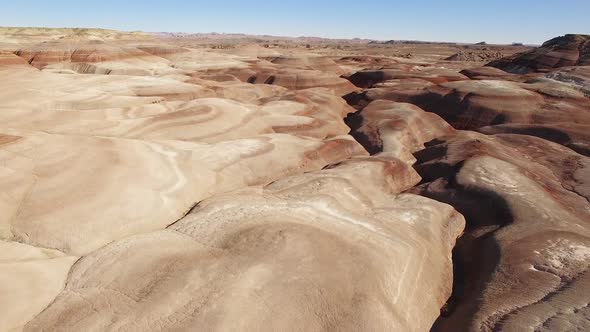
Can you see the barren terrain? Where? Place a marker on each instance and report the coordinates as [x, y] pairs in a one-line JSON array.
[[177, 182]]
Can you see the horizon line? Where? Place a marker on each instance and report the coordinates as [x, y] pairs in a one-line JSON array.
[[276, 36]]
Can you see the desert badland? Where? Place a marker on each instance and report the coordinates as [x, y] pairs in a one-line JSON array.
[[182, 182]]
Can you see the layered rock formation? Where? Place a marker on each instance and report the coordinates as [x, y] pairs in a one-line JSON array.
[[521, 181], [525, 258], [148, 186], [186, 173], [564, 51], [173, 185], [476, 56], [368, 78], [336, 249], [396, 129]]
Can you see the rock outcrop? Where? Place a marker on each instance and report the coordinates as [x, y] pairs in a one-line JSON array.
[[517, 170], [476, 56], [568, 50], [178, 184], [523, 263], [316, 251], [555, 99], [396, 129], [369, 78], [93, 168], [148, 186]]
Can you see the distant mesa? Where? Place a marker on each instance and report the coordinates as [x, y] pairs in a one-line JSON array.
[[564, 51]]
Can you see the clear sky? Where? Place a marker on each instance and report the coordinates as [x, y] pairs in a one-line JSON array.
[[494, 21]]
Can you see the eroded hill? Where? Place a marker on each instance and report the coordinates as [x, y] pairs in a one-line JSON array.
[[161, 183]]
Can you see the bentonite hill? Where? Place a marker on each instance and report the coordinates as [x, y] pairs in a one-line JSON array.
[[166, 182]]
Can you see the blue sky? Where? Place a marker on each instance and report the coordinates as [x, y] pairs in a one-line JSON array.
[[499, 21]]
